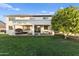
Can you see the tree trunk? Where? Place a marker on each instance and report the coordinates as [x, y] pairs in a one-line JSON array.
[[66, 35]]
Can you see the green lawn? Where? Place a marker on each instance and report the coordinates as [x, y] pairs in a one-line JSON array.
[[37, 46]]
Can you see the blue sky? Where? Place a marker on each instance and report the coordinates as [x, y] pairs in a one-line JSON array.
[[31, 8]]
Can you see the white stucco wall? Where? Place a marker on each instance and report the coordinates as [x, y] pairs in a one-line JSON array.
[[9, 23], [31, 21], [35, 21]]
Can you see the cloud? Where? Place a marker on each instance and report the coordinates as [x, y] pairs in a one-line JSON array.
[[16, 9], [47, 12], [44, 11], [8, 7], [51, 13], [61, 7]]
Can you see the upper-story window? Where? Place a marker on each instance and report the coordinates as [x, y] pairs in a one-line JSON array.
[[45, 17], [10, 18], [32, 17]]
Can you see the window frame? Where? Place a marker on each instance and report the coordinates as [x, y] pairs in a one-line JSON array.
[[45, 17], [10, 27], [46, 27], [26, 27]]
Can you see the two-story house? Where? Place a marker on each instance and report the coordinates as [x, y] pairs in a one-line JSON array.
[[28, 24]]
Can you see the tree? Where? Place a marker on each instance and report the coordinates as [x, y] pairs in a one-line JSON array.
[[66, 20]]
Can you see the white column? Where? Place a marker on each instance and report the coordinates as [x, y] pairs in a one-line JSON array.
[[42, 29], [33, 33], [13, 29], [49, 27]]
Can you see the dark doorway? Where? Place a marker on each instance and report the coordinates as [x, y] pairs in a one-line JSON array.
[[37, 29]]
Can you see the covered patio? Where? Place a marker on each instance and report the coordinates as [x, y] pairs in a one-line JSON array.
[[32, 30]]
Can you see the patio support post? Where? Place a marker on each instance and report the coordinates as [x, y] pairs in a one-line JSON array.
[[13, 29], [42, 28], [33, 33]]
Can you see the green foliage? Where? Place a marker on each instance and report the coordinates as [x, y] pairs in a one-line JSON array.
[[66, 20]]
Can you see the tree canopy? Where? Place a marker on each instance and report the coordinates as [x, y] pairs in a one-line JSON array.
[[66, 20]]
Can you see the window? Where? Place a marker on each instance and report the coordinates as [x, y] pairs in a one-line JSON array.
[[10, 28], [26, 27], [45, 17], [10, 18], [45, 27], [32, 18]]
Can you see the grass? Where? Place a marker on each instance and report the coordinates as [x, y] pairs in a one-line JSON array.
[[37, 46]]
